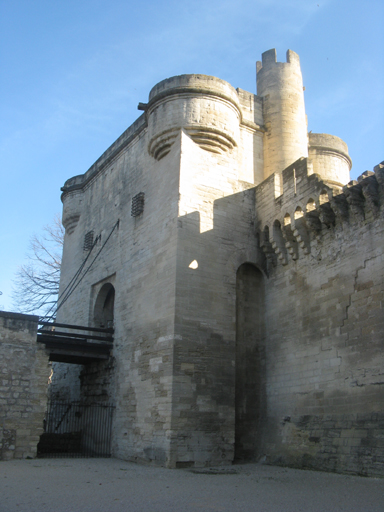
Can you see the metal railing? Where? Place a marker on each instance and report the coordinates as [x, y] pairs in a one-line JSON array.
[[74, 429], [76, 344]]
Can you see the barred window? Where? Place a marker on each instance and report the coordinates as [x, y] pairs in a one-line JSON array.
[[88, 241], [137, 204]]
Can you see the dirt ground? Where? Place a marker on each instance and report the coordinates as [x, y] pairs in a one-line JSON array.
[[112, 485]]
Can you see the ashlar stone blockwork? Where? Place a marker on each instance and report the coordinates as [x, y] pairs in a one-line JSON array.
[[24, 379], [248, 291], [324, 312]]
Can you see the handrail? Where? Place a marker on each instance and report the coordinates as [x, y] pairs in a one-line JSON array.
[[108, 330], [72, 346], [74, 335]]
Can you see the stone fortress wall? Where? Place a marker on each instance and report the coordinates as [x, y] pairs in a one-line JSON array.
[[324, 301], [248, 292], [23, 386], [145, 252]]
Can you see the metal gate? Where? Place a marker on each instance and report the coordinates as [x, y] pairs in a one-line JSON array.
[[74, 429]]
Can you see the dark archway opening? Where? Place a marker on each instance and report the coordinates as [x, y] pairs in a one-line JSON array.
[[104, 306], [250, 363]]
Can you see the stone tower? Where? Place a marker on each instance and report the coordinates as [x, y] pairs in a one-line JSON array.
[[280, 84], [232, 298]]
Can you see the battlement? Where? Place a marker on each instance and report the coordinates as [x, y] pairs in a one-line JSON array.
[[269, 59], [280, 85], [293, 224], [252, 252]]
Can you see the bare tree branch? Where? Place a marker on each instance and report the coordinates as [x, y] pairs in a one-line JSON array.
[[36, 284]]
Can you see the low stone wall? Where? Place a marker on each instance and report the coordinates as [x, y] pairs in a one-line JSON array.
[[23, 386]]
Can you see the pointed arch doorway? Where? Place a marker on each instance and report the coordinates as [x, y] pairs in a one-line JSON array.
[[250, 363]]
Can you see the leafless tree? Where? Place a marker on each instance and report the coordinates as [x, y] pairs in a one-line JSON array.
[[36, 285]]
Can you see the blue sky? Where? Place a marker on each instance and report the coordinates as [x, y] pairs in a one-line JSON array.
[[73, 72]]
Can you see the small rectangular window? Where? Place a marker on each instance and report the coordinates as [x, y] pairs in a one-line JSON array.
[[137, 204], [88, 241]]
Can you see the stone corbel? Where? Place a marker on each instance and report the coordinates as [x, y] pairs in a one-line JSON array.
[[339, 206], [290, 242], [355, 199], [370, 189], [313, 222], [327, 215]]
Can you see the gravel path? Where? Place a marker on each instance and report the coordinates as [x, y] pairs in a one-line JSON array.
[[112, 485]]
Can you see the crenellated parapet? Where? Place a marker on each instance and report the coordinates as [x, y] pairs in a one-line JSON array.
[[308, 209]]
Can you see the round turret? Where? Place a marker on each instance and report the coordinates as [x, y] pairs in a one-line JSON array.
[[330, 158], [280, 84], [205, 107]]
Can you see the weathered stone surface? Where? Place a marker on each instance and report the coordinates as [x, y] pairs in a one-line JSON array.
[[325, 327], [23, 386], [212, 360]]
